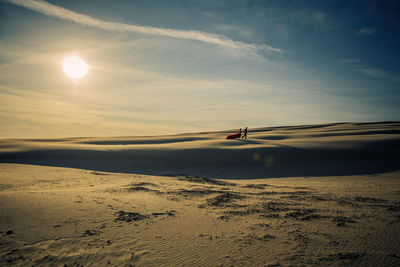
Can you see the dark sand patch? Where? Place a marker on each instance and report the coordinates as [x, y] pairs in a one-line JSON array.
[[92, 232], [139, 188], [4, 187], [99, 173], [342, 221], [256, 186], [135, 216], [222, 200], [196, 192], [204, 180], [129, 216], [369, 200]]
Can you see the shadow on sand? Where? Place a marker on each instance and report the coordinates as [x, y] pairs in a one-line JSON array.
[[264, 162]]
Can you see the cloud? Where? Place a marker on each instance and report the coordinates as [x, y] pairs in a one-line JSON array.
[[319, 16], [361, 67], [378, 73], [366, 31], [349, 61], [215, 39]]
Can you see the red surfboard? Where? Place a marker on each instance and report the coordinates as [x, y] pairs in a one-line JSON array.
[[233, 136]]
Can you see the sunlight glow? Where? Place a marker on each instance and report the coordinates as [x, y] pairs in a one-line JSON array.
[[75, 67]]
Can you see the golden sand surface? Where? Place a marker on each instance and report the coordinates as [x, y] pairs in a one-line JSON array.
[[322, 195], [68, 217]]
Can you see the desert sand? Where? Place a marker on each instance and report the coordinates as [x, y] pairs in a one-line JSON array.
[[319, 195]]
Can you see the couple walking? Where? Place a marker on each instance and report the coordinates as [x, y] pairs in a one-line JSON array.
[[244, 134]]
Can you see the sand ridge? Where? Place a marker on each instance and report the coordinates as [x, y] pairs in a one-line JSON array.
[[309, 150]]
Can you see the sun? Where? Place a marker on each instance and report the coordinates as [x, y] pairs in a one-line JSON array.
[[75, 67]]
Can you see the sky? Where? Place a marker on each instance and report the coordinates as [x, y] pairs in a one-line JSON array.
[[165, 67]]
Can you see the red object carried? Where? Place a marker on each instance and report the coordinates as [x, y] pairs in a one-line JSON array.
[[233, 136]]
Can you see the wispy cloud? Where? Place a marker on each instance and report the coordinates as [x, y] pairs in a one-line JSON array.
[[378, 73], [349, 61], [319, 16], [366, 31], [363, 68], [215, 39]]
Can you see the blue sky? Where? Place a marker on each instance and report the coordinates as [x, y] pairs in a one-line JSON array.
[[160, 67]]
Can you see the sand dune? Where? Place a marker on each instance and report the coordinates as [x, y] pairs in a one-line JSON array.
[[292, 151], [154, 201]]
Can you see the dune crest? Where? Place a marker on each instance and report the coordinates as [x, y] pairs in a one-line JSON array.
[[326, 149]]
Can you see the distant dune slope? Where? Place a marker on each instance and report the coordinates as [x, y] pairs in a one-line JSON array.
[[326, 149]]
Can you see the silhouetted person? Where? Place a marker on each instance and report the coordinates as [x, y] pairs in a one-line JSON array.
[[245, 133]]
